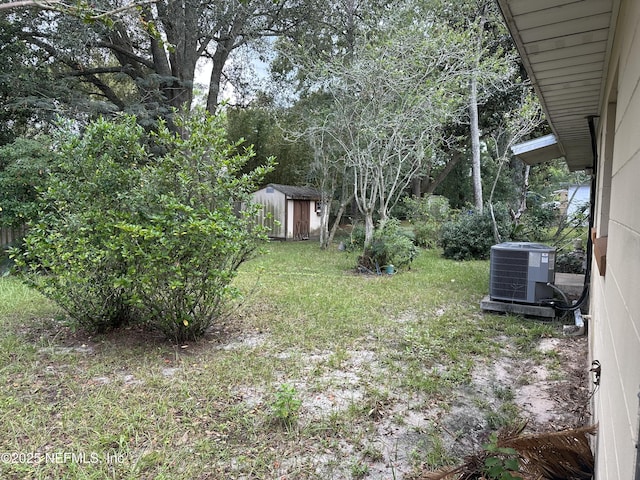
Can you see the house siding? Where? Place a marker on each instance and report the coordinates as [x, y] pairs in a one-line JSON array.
[[615, 297]]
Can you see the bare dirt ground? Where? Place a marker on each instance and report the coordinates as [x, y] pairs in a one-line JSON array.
[[401, 434], [556, 402], [550, 390], [550, 395], [411, 431]]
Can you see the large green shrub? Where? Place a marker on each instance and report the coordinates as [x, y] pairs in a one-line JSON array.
[[67, 250], [470, 235], [155, 239]]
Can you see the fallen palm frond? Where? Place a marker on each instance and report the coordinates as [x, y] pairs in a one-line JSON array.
[[556, 455], [564, 455]]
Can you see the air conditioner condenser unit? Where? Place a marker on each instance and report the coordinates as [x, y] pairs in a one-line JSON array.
[[521, 271]]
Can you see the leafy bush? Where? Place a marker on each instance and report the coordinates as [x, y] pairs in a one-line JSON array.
[[133, 236], [67, 250], [390, 246], [570, 262], [427, 234], [427, 215], [430, 207], [470, 234], [535, 223]]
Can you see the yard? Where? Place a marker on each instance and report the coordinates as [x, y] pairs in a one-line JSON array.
[[320, 373]]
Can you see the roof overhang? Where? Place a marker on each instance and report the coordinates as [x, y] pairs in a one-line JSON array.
[[538, 150], [565, 47]]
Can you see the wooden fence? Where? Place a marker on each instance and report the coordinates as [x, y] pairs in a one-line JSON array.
[[10, 235]]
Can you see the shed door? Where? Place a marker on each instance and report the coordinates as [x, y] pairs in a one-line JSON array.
[[301, 218]]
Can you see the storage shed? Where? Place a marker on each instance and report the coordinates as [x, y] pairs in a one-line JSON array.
[[294, 211]]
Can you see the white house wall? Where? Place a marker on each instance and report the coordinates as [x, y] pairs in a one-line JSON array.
[[615, 297], [315, 221]]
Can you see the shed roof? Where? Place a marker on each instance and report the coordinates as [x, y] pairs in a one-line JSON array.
[[565, 47], [297, 193]]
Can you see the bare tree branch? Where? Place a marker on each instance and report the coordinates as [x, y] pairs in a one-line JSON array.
[[87, 14]]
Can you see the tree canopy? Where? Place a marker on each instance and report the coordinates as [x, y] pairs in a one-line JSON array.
[[370, 100], [144, 60]]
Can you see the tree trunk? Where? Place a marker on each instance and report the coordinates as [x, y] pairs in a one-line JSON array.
[[416, 187], [515, 215], [475, 143], [369, 228], [433, 184], [336, 222], [219, 60], [325, 210]]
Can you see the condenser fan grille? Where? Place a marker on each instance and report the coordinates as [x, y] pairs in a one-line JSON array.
[[509, 274]]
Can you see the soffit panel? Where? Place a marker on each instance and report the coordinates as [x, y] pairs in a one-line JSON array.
[[576, 61], [557, 44], [579, 26], [568, 53], [571, 13], [564, 45], [520, 7], [568, 71]]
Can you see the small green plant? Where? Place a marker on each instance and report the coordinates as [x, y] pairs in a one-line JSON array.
[[356, 238], [338, 358], [286, 405], [359, 469], [372, 453], [501, 463], [506, 415]]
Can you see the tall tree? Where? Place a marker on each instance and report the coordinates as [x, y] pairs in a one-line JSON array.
[[490, 67], [144, 60], [517, 124], [23, 80]]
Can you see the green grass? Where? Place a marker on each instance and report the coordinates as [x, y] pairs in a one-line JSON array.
[[356, 350]]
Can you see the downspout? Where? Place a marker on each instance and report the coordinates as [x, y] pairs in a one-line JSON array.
[[592, 209], [637, 477]]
